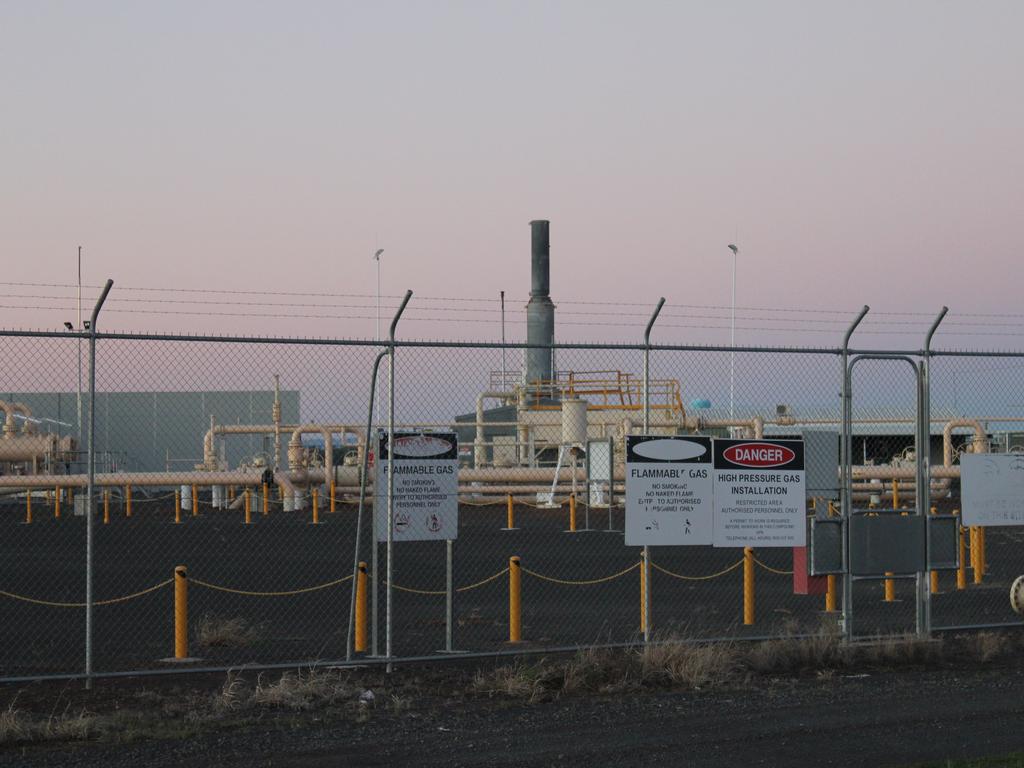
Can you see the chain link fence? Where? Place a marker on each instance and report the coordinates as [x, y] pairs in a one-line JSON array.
[[227, 526]]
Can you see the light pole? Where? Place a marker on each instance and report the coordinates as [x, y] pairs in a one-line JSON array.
[[79, 347], [504, 384], [732, 336], [376, 257]]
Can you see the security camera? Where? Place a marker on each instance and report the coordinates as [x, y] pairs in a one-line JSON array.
[[87, 324], [69, 326]]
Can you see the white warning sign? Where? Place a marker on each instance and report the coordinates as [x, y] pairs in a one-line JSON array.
[[759, 493], [426, 486], [992, 487], [668, 490]]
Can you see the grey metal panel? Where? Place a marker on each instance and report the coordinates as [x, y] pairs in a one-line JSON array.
[[141, 428], [179, 428], [943, 542], [821, 463], [131, 419], [825, 553], [881, 544]]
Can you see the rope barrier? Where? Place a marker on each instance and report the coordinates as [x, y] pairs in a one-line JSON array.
[[280, 593], [581, 582], [773, 570], [111, 601], [144, 500], [674, 575], [555, 502], [435, 592]]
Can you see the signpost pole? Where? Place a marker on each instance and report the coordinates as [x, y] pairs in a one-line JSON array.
[[449, 598]]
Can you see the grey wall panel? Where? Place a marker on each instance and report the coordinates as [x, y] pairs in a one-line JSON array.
[[140, 429]]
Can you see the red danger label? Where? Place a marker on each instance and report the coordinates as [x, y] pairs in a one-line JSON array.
[[759, 454]]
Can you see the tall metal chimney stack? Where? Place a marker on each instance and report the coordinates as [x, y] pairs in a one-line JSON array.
[[540, 312]]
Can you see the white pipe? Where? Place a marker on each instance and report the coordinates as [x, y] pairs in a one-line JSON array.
[[250, 477], [26, 412], [980, 438], [10, 427], [328, 431]]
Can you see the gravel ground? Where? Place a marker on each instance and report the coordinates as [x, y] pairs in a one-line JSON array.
[[877, 719]]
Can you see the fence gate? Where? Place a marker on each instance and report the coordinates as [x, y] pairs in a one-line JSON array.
[[885, 547]]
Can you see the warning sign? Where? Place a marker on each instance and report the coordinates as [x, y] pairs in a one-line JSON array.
[[426, 486], [759, 493], [992, 488], [668, 490]]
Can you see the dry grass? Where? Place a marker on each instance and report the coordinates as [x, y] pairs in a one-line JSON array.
[[672, 662], [14, 725], [689, 665], [797, 655], [898, 651], [517, 680], [295, 691], [304, 690], [214, 631], [19, 727], [675, 662], [986, 646]]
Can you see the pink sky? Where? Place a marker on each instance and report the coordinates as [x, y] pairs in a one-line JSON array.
[[863, 152]]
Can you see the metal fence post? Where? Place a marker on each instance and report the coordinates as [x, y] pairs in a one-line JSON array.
[[846, 471], [364, 471], [647, 425], [924, 480], [391, 478], [89, 487]]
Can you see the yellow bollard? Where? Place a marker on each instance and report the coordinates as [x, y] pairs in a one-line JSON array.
[[981, 551], [830, 594], [248, 507], [316, 507], [572, 513], [961, 571], [266, 500], [890, 585], [177, 507], [195, 501], [643, 593], [332, 497], [748, 586], [56, 504], [360, 639], [976, 565], [231, 493], [515, 626], [127, 501], [180, 612], [106, 507], [28, 508], [511, 515]]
